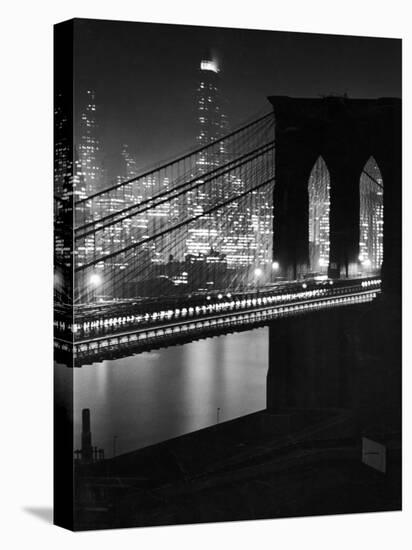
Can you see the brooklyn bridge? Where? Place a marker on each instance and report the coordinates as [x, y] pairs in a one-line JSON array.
[[232, 234], [292, 221]]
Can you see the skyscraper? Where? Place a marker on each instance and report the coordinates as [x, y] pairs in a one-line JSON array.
[[89, 146], [212, 122], [240, 231], [63, 183], [211, 125], [88, 172]]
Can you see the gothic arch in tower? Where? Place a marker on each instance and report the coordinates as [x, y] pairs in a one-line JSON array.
[[319, 206], [370, 218]]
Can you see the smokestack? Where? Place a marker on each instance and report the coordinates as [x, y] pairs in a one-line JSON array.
[[87, 449]]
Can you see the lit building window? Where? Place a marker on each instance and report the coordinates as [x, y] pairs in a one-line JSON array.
[[371, 218], [209, 65], [319, 207]]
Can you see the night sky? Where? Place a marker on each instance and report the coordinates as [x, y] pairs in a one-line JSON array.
[[145, 77]]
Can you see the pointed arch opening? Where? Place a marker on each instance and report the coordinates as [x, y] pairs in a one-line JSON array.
[[371, 219], [319, 208]]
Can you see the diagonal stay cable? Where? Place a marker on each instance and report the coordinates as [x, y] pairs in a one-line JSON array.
[[94, 223], [151, 199], [167, 196], [141, 269], [372, 179], [118, 279], [168, 192], [174, 161], [173, 228]]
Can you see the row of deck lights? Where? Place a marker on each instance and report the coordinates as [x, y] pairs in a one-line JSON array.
[[371, 282], [210, 308], [253, 315]]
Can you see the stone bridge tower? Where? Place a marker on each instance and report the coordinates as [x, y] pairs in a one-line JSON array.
[[346, 133], [347, 358]]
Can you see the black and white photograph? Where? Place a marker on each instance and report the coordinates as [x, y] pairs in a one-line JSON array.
[[205, 275], [227, 274]]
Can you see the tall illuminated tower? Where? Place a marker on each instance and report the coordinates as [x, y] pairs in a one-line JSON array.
[[64, 186], [88, 172], [240, 233], [211, 119], [89, 146], [211, 124]]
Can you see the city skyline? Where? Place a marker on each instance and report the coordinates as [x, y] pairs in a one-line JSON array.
[[227, 322], [247, 239], [178, 64], [212, 124], [145, 86]]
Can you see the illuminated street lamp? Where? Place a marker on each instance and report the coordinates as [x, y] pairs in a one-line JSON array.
[[275, 266], [258, 276], [58, 280], [95, 279]]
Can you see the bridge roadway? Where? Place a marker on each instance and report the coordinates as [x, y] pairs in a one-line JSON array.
[[106, 336]]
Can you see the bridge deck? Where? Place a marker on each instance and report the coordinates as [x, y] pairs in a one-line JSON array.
[[107, 338]]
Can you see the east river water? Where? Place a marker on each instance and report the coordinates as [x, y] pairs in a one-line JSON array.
[[148, 398]]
